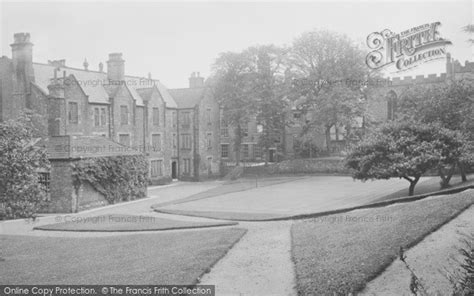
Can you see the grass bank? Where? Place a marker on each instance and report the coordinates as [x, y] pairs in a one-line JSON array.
[[341, 253], [164, 258]]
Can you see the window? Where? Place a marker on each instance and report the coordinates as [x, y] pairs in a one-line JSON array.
[[209, 165], [252, 151], [336, 133], [245, 150], [124, 139], [73, 112], [187, 166], [96, 117], [208, 115], [209, 140], [44, 179], [296, 115], [156, 169], [224, 129], [175, 119], [186, 141], [123, 115], [103, 116], [257, 151], [156, 142], [224, 150], [156, 116], [245, 130], [186, 119], [175, 140]]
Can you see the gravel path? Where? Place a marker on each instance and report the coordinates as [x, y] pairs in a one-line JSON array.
[[260, 264], [429, 259]]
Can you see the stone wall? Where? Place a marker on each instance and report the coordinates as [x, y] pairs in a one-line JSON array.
[[330, 165], [89, 198], [61, 187]]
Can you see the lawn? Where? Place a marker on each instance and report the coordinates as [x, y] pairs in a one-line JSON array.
[[339, 254], [428, 186], [164, 258], [241, 184], [112, 223], [231, 216]]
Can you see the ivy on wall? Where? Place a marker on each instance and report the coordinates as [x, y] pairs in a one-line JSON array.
[[118, 178]]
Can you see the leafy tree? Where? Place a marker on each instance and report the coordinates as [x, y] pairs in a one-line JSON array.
[[329, 77], [470, 30], [231, 84], [21, 194], [268, 89], [452, 148], [403, 150], [451, 105]]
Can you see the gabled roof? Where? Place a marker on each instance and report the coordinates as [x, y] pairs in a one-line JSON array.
[[91, 82], [165, 94], [187, 97], [96, 85], [145, 93], [134, 83]]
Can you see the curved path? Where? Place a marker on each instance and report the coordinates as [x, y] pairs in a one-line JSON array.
[[140, 207], [259, 264]]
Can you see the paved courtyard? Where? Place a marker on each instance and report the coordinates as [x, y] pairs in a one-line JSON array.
[[301, 196]]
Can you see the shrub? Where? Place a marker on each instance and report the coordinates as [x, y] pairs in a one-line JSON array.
[[462, 278], [404, 150], [21, 194], [118, 178]]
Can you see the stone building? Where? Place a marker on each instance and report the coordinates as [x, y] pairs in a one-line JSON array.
[[381, 106], [382, 100], [197, 130], [138, 113], [250, 150], [181, 131]]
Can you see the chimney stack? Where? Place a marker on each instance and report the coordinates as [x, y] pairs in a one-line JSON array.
[[22, 56], [86, 65], [101, 67], [449, 65], [115, 67], [196, 81]]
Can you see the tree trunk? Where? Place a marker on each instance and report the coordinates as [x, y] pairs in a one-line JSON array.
[[265, 155], [328, 139], [446, 177], [462, 170], [237, 144], [411, 189]]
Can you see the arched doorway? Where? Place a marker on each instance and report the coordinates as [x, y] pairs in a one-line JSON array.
[[174, 170]]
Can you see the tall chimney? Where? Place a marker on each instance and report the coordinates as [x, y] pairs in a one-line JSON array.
[[195, 80], [22, 56], [449, 65], [115, 67]]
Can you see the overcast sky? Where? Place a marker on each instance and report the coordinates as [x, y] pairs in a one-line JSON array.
[[171, 40]]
